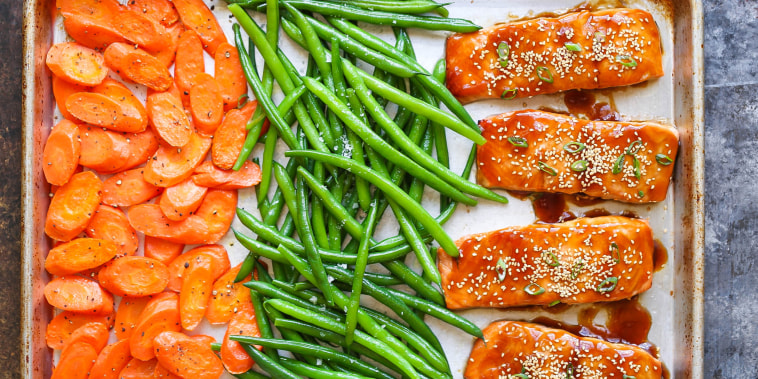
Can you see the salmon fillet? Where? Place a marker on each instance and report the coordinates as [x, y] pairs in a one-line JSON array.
[[536, 351], [538, 151], [580, 261], [581, 50]]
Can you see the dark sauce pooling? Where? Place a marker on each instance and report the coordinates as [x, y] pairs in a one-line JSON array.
[[660, 256], [583, 104]]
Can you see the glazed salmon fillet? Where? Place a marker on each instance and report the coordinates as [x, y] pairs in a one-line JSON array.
[[581, 50], [537, 151], [535, 351], [585, 260]]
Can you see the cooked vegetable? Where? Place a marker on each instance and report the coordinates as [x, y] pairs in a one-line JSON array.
[[138, 66], [78, 255], [111, 360], [160, 315], [182, 200], [111, 224], [60, 157], [72, 206], [186, 357], [168, 118], [128, 315], [76, 361], [63, 325], [206, 103], [128, 188], [78, 294], [134, 276], [76, 64]]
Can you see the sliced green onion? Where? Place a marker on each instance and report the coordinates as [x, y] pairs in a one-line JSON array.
[[579, 166], [518, 141], [554, 303], [534, 289], [641, 194], [663, 159], [509, 94], [599, 37], [503, 51], [546, 168], [574, 147], [571, 46], [618, 165], [521, 376], [629, 377], [615, 252], [577, 269], [501, 269], [608, 285], [626, 60], [553, 259], [241, 101], [634, 147], [544, 74], [637, 172], [570, 371]]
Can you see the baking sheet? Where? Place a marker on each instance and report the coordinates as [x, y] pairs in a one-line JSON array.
[[674, 301]]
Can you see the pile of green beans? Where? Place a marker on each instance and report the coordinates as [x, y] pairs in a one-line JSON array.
[[358, 143]]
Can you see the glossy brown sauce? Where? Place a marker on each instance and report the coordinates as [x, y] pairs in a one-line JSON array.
[[583, 104], [660, 256], [551, 208]]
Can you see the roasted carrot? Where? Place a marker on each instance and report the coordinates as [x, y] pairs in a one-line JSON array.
[[139, 369], [206, 103], [102, 150], [141, 146], [133, 118], [162, 250], [229, 75], [233, 355], [61, 327], [186, 357], [227, 297], [162, 11], [230, 136], [117, 110], [182, 200], [217, 213], [92, 31], [204, 339], [195, 15], [168, 54], [76, 361], [111, 224], [128, 314], [137, 66], [134, 276], [196, 291], [61, 90], [128, 188], [208, 175], [60, 157], [163, 373], [189, 61], [76, 63], [177, 267], [168, 118], [73, 205], [161, 314], [80, 254], [93, 333], [141, 30], [171, 165], [111, 360], [78, 294]]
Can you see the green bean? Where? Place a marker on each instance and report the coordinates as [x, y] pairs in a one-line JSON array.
[[416, 188], [410, 6], [438, 312], [315, 372], [269, 365], [266, 166], [246, 268], [284, 106], [250, 374], [309, 241], [360, 269], [413, 280], [275, 292], [333, 206], [312, 41], [413, 339]]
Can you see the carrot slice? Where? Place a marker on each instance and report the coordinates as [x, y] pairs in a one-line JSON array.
[[178, 266], [76, 63], [204, 339], [94, 333], [230, 136], [60, 157], [233, 355], [128, 188], [227, 297], [171, 165], [229, 75], [78, 294], [168, 118], [141, 30], [79, 255], [101, 110], [72, 206], [161, 314], [189, 60], [128, 314], [134, 276], [111, 224], [111, 360], [139, 369], [206, 103], [168, 54], [163, 373], [138, 66], [141, 146], [161, 11], [76, 361], [208, 175], [182, 200], [186, 357], [195, 15], [217, 212], [196, 291], [61, 91], [134, 115], [61, 327], [102, 150], [92, 31], [162, 250]]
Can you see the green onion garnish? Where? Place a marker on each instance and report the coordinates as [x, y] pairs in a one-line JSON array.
[[509, 94], [544, 74], [577, 269], [570, 371], [637, 172], [574, 147], [554, 303], [518, 141], [534, 289], [521, 376], [600, 36], [546, 168], [571, 46], [579, 166], [626, 60], [503, 51], [501, 269], [641, 194], [615, 252], [628, 377], [241, 101], [663, 159], [608, 285], [619, 165], [553, 259], [634, 148]]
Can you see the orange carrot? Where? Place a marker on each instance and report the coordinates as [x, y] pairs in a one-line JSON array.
[[171, 165], [229, 75], [61, 91], [168, 54], [76, 63], [101, 110], [227, 297], [72, 206], [111, 360], [139, 369], [162, 250], [162, 11], [111, 224], [134, 276], [128, 314], [141, 146], [102, 150], [233, 356], [168, 118], [189, 60], [202, 338], [80, 254], [92, 31], [141, 30], [195, 15], [128, 188], [230, 136], [182, 200], [161, 314], [186, 357], [177, 267], [94, 333], [206, 103], [76, 361], [60, 157], [196, 291], [208, 175], [61, 327], [138, 66], [163, 373], [217, 212], [78, 294], [134, 117]]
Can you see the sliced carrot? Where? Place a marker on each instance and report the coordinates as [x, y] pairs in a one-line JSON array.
[[204, 339], [61, 327], [94, 333], [138, 66], [230, 136], [76, 63], [217, 212], [186, 357], [195, 15], [134, 116], [178, 266], [75, 362], [206, 103], [163, 373], [78, 294], [93, 8], [229, 75], [80, 254], [233, 355], [189, 60], [171, 165], [92, 31], [128, 314], [101, 110], [227, 297], [162, 250], [161, 314], [111, 224], [61, 90], [111, 360], [73, 205], [60, 157], [208, 175], [128, 188], [141, 146], [196, 291], [138, 369], [134, 276], [168, 118], [182, 200], [102, 150], [168, 54], [140, 30], [162, 11]]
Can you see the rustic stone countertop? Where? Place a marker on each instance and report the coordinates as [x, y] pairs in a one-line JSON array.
[[731, 111]]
